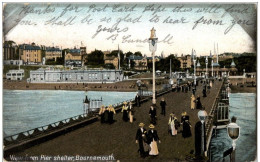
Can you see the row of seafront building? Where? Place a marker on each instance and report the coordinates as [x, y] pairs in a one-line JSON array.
[[74, 76]]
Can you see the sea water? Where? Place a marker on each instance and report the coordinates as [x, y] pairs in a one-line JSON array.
[[242, 106], [28, 109]]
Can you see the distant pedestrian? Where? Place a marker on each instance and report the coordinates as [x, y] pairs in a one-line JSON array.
[[106, 115], [193, 90], [163, 106], [137, 100], [198, 103], [101, 113], [193, 102], [111, 114], [204, 92], [125, 112], [186, 131], [131, 112], [210, 84], [152, 114], [173, 124], [141, 139], [153, 138]]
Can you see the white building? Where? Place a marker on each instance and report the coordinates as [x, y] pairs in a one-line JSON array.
[[75, 76], [15, 74]]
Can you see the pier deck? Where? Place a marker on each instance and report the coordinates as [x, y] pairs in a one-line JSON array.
[[119, 138]]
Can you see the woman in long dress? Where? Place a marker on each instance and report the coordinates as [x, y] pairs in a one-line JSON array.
[[125, 112], [186, 132], [101, 113], [153, 138], [193, 102], [111, 114], [198, 103], [131, 112], [173, 124], [106, 115]]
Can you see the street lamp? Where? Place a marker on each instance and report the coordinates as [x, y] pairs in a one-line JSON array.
[[212, 68], [206, 67], [194, 60], [202, 114], [86, 104], [233, 131], [153, 46]]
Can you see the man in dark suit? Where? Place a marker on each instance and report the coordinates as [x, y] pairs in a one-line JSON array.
[[137, 100], [152, 114], [163, 106], [141, 139]]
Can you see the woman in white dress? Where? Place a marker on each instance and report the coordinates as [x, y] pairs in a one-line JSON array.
[[173, 124], [131, 112], [153, 138]]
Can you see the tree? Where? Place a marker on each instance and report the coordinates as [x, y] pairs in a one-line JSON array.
[[129, 54], [138, 53], [96, 58]]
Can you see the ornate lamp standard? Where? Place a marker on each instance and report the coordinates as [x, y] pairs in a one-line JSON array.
[[206, 61], [233, 131], [153, 46], [212, 68], [194, 60], [202, 114]]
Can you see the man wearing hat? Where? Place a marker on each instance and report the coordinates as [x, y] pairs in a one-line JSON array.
[[141, 139], [153, 138], [137, 100], [186, 132], [125, 112]]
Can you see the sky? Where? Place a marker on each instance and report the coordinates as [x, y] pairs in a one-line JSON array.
[[130, 25]]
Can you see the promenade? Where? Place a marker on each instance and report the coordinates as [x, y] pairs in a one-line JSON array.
[[119, 138]]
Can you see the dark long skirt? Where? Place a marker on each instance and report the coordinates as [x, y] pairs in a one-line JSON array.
[[125, 116], [106, 116], [186, 130], [110, 117], [102, 116]]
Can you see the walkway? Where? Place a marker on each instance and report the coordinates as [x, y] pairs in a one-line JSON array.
[[119, 138]]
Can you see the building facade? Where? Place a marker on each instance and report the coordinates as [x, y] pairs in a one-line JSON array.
[[30, 54], [75, 76], [111, 60], [140, 62], [186, 61], [53, 53], [9, 51], [73, 58]]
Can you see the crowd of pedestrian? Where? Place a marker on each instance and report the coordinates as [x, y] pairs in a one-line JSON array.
[[148, 140]]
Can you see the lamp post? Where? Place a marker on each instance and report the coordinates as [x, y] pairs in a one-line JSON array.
[[212, 68], [86, 105], [206, 67], [194, 60], [202, 114], [233, 131], [153, 46]]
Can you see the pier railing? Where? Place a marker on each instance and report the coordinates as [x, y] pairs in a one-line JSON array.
[[211, 117]]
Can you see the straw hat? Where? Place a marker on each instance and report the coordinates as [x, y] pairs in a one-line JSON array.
[[171, 114], [125, 103], [110, 106], [141, 124], [184, 113], [102, 106], [151, 126]]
